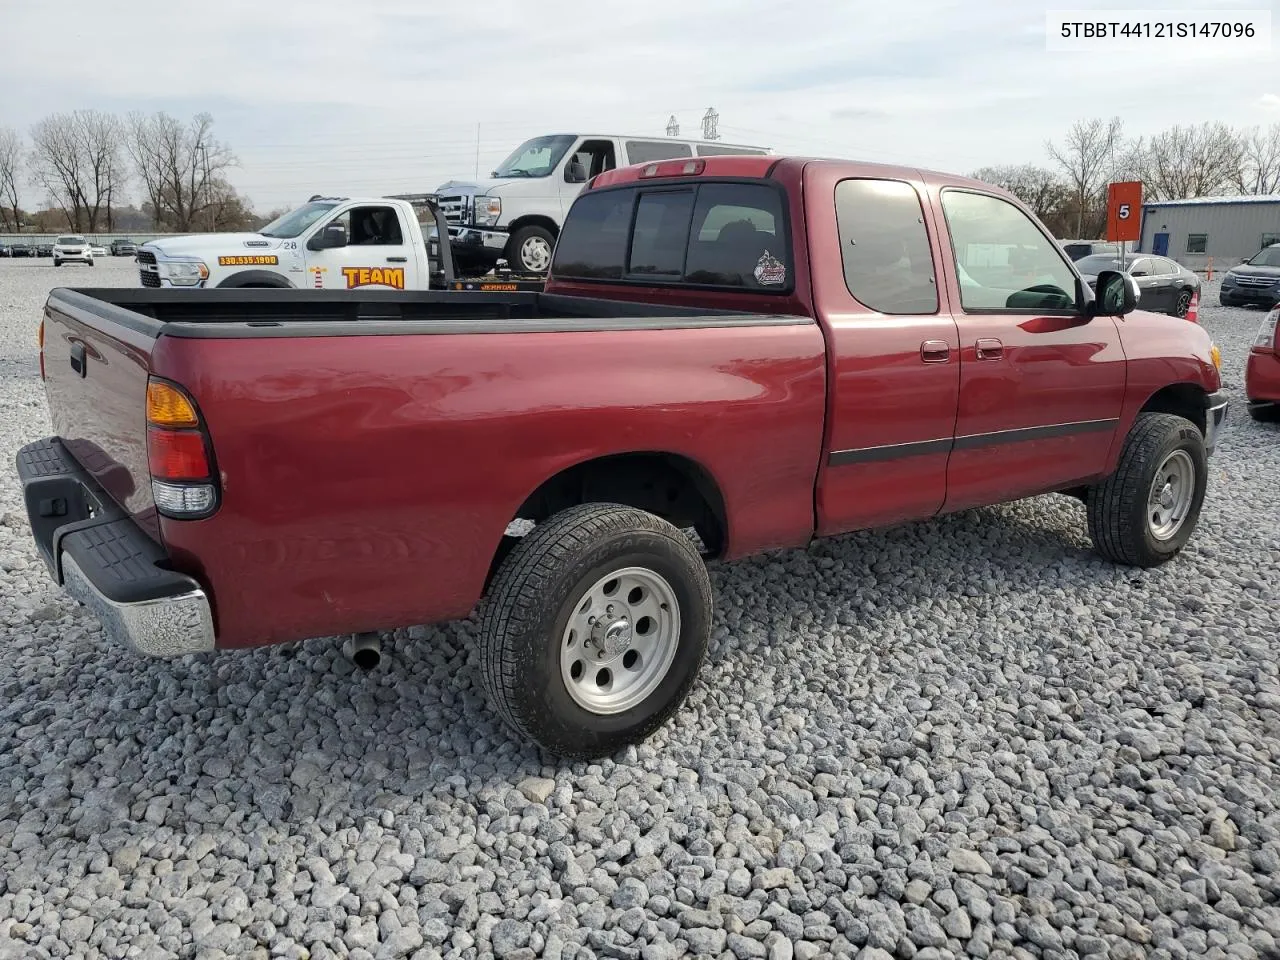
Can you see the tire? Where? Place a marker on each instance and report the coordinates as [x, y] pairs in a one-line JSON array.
[[1182, 304], [535, 243], [1225, 301], [57, 263], [1264, 412], [1124, 523], [530, 631]]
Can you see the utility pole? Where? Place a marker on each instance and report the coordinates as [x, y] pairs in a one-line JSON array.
[[709, 121], [477, 151]]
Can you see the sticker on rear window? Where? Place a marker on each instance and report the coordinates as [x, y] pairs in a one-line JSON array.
[[770, 271]]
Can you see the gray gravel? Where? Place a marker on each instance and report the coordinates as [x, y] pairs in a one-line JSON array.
[[965, 737]]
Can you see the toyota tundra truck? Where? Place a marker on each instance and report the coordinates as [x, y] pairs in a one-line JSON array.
[[755, 350]]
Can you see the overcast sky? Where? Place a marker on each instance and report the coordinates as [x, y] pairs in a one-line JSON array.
[[340, 96]]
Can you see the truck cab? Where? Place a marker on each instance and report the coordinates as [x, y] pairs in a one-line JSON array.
[[516, 213], [328, 243]]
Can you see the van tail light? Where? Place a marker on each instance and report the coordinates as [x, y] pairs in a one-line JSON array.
[[1266, 338], [40, 340], [179, 454]]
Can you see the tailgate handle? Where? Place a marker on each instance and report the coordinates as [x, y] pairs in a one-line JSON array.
[[78, 362]]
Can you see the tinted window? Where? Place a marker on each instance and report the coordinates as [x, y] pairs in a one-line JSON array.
[[1166, 268], [660, 234], [1002, 259], [887, 262], [1144, 266], [1077, 250], [1197, 242], [738, 238], [1095, 265], [647, 151], [735, 237], [708, 150], [593, 241]]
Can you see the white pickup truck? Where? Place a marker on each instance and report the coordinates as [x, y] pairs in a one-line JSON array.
[[516, 213], [328, 243]]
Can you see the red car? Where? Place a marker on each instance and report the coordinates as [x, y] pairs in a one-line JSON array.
[[1262, 372], [762, 349]]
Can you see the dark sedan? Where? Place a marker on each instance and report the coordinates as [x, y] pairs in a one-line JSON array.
[[1257, 280], [22, 250], [44, 248], [1165, 286]]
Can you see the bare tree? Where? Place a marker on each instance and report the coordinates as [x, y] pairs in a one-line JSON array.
[[1259, 161], [1088, 156], [10, 176], [77, 158], [180, 166], [1191, 161], [1039, 188]]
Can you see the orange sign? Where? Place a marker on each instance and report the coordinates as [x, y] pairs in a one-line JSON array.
[[1124, 211]]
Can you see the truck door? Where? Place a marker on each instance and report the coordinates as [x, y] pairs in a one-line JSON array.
[[378, 252], [1041, 386], [893, 353]]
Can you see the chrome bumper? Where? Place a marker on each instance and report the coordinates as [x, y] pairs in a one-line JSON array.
[[471, 238], [169, 626], [103, 559], [1215, 415]]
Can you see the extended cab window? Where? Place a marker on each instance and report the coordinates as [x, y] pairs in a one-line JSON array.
[[1002, 260], [371, 226], [885, 248], [708, 234]]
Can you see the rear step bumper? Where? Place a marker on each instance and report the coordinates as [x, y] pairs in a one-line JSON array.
[[102, 558]]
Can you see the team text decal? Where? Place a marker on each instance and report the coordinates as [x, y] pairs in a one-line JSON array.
[[374, 276], [249, 260]]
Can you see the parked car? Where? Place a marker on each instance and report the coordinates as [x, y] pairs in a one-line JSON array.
[[123, 247], [44, 248], [515, 214], [1165, 285], [4, 249], [72, 249], [1262, 371], [713, 350], [1079, 249], [97, 249], [1256, 281], [21, 249]]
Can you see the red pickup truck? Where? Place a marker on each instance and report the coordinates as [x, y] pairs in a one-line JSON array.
[[1262, 371], [762, 349]]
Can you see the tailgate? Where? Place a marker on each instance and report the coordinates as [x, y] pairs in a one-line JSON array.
[[96, 361]]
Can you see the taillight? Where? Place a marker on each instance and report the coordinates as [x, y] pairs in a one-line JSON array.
[[179, 454], [40, 340], [1267, 332], [674, 168]]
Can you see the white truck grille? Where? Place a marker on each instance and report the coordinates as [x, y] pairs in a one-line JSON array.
[[455, 209]]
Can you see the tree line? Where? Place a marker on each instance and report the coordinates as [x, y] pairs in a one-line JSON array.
[[1209, 159], [86, 163]]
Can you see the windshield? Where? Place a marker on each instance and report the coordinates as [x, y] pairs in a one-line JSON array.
[[295, 221], [536, 157], [1270, 257], [67, 241]]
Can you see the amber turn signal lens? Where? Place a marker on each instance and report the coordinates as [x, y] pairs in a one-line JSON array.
[[167, 406]]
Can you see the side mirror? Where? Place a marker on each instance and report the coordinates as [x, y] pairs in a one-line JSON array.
[[333, 235], [1116, 294], [575, 172]]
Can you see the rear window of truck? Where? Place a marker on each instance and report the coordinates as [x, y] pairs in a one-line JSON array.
[[710, 234]]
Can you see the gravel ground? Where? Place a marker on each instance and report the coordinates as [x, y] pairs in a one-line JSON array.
[[965, 737]]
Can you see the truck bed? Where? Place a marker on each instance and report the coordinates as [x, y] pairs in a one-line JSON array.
[[265, 309]]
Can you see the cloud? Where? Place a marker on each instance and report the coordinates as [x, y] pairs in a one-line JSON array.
[[396, 95], [1269, 101]]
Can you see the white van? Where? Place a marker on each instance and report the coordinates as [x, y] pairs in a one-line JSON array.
[[516, 213]]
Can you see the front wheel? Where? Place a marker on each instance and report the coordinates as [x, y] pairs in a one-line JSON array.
[[529, 250], [594, 629], [1145, 512]]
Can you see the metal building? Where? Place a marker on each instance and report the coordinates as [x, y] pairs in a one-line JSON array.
[[1226, 229]]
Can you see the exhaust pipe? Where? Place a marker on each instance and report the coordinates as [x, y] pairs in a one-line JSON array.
[[365, 652]]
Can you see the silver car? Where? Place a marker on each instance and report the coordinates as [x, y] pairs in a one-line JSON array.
[[72, 249]]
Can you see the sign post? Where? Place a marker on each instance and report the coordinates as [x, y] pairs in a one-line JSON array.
[[1124, 220]]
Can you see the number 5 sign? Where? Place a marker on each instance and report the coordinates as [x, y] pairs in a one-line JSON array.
[[1124, 211]]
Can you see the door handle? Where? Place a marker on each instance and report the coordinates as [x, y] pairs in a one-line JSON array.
[[78, 363], [990, 348], [935, 351], [397, 259]]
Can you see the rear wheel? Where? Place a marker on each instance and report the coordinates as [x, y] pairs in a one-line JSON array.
[[1182, 304], [1145, 512], [1264, 412], [594, 629], [57, 263]]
